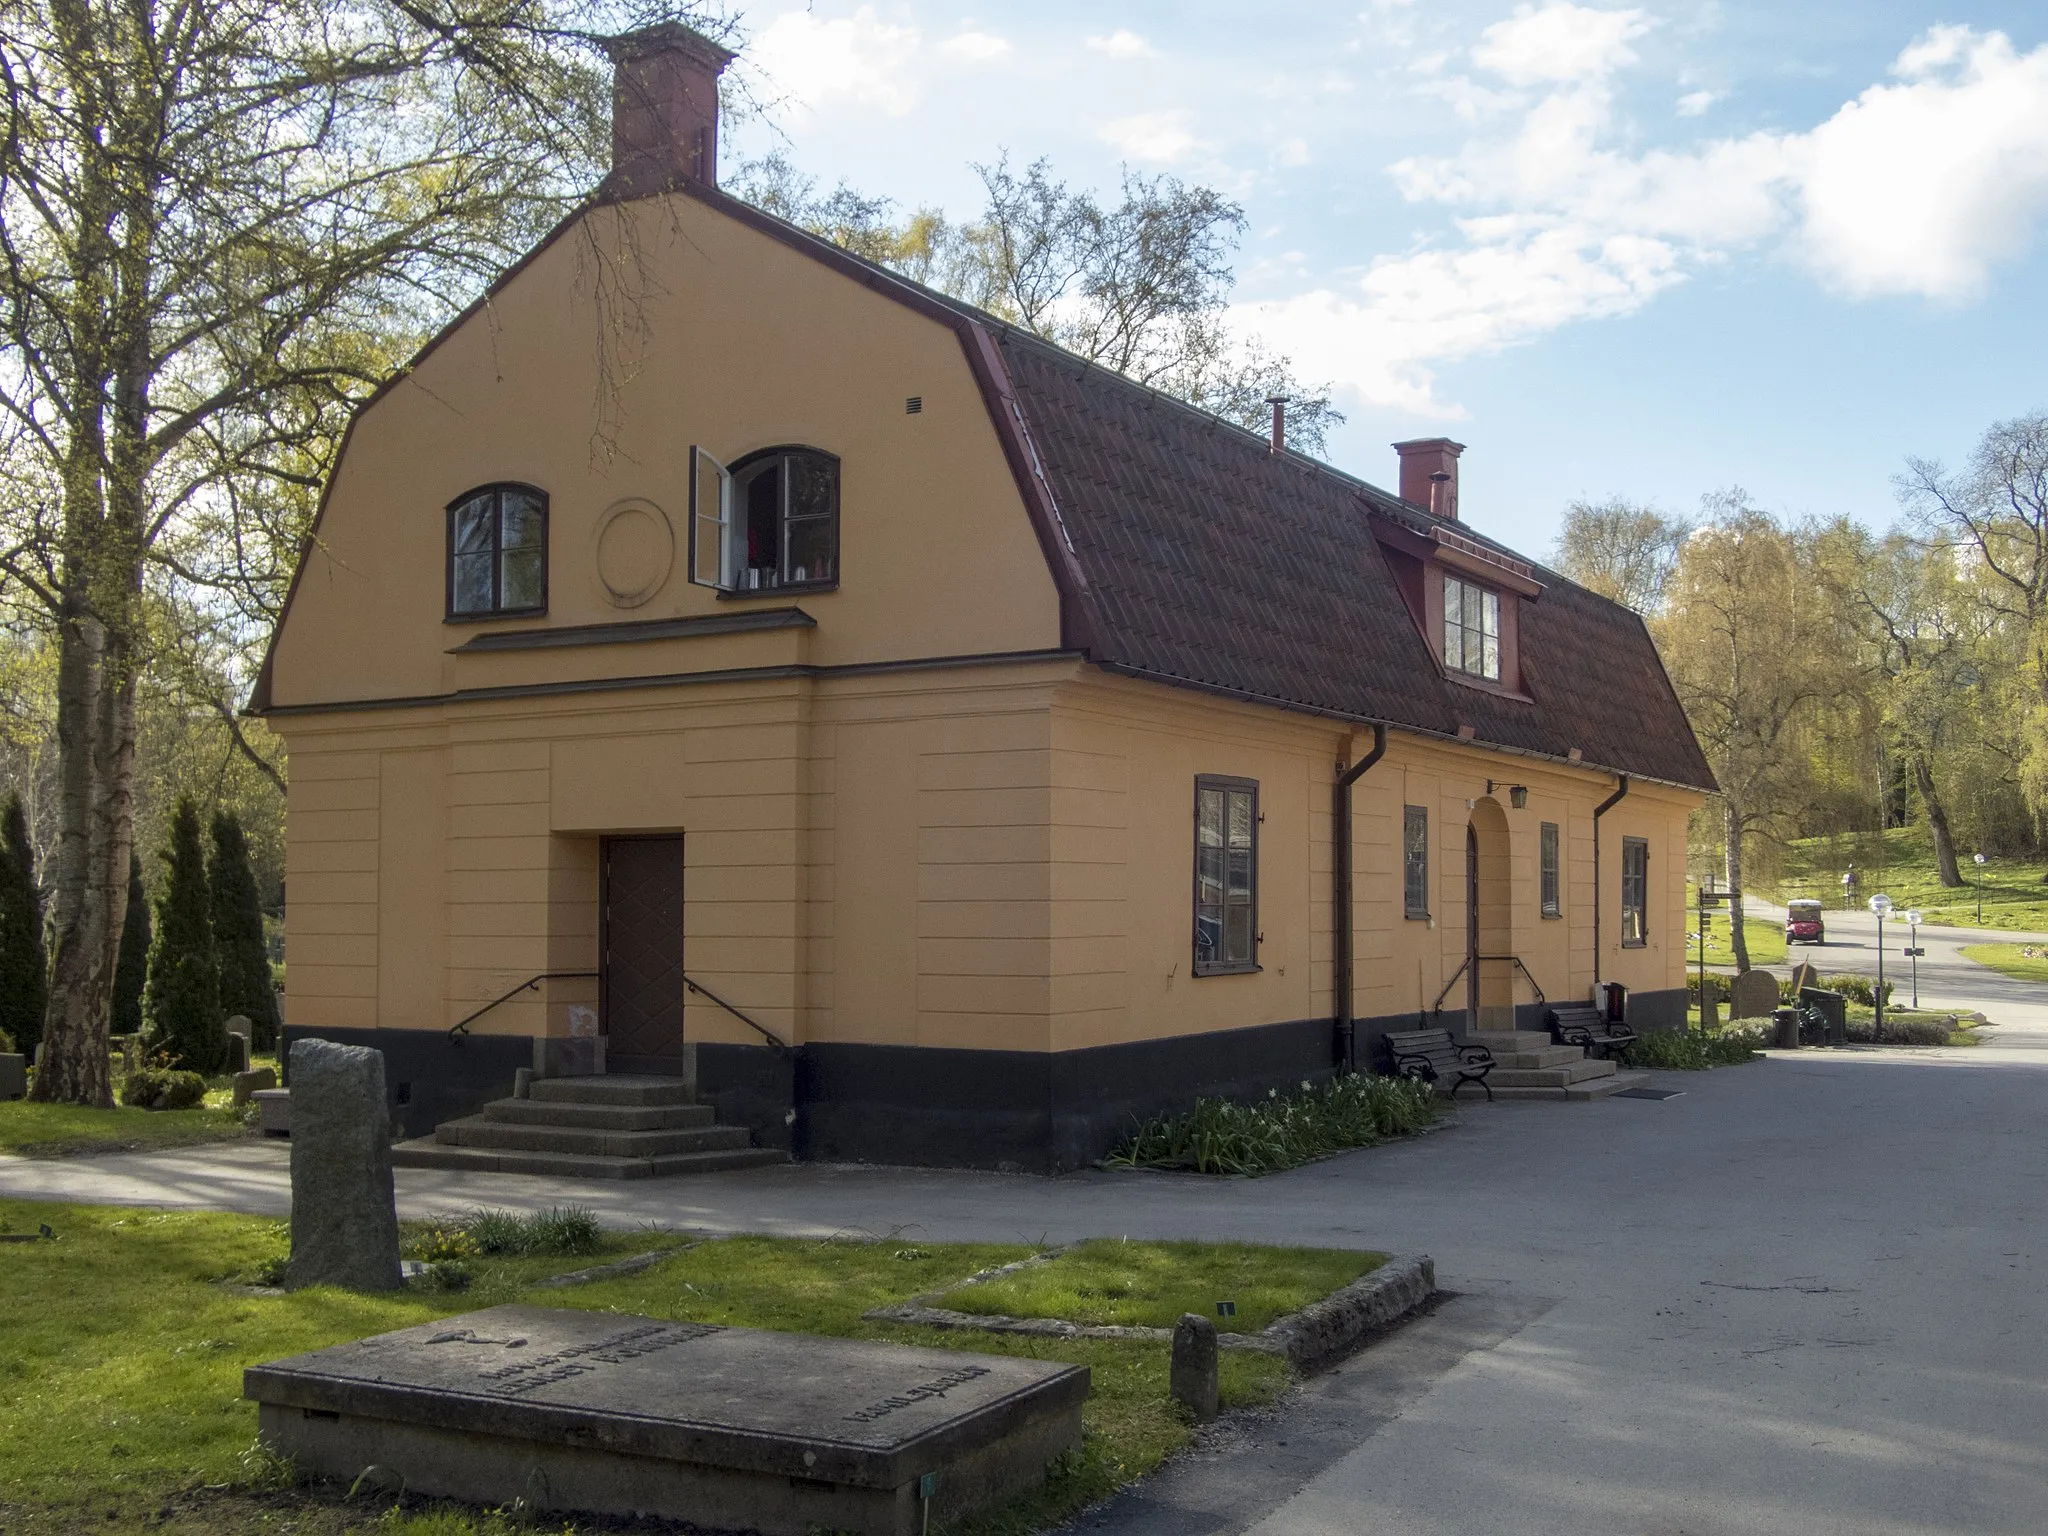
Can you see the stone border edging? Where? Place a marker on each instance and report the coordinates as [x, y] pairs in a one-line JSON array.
[[1320, 1334]]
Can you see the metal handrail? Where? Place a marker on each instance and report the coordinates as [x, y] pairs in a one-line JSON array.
[[458, 1031], [1436, 1010], [460, 1028], [780, 1046]]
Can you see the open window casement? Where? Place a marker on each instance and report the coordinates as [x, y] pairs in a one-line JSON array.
[[713, 546]]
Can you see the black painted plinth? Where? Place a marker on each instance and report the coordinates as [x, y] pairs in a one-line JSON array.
[[725, 1427]]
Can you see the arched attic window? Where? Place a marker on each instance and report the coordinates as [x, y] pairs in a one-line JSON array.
[[770, 523], [498, 552]]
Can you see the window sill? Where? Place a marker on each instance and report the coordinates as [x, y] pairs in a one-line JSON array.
[[1415, 917], [1635, 943], [1552, 917], [1227, 970], [493, 615], [736, 594], [1484, 685]]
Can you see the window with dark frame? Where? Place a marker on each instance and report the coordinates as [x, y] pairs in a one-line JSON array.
[[498, 552], [770, 523], [1635, 892], [1226, 875], [1415, 860], [1547, 875], [1471, 629]]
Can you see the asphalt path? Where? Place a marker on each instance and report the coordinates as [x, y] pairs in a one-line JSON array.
[[1806, 1295]]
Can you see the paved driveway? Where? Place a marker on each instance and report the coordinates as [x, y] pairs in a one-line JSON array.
[[1806, 1296]]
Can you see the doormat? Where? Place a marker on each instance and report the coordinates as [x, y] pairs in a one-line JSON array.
[[1647, 1093]]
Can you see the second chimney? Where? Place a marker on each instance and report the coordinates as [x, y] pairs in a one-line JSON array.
[[664, 109], [1429, 474]]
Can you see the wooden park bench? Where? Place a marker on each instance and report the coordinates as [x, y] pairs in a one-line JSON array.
[[1432, 1056], [1582, 1024]]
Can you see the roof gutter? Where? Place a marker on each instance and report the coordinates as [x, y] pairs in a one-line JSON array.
[[1340, 976], [1620, 794]]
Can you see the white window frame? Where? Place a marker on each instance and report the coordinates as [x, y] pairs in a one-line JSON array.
[[711, 527], [1474, 652]]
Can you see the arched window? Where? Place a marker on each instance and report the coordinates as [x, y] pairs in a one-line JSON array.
[[498, 552], [770, 523]]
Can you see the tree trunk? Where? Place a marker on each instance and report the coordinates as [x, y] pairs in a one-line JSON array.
[[1937, 822], [1731, 832]]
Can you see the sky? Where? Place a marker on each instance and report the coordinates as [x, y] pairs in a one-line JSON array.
[[1647, 251]]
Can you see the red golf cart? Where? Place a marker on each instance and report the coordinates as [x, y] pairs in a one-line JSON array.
[[1803, 923]]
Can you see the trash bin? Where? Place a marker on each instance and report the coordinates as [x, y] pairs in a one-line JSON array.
[[1787, 1022], [1834, 1011]]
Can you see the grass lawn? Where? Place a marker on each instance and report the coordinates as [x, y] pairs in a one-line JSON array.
[[61, 1130], [1766, 938], [2022, 962], [121, 1360], [1149, 1285], [1900, 862]]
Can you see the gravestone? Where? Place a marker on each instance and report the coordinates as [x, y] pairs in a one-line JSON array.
[[238, 1053], [249, 1083], [1193, 1377], [13, 1076], [1710, 1003], [729, 1428], [344, 1215], [1755, 996], [1804, 976]]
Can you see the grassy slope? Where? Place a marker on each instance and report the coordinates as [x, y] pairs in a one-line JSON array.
[[1766, 938], [121, 1361], [1113, 1280], [2022, 962], [1900, 863], [60, 1130]]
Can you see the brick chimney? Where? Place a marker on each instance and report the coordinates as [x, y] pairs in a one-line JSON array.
[[664, 109], [1429, 474]]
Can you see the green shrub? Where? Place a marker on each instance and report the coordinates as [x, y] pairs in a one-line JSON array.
[[7, 1044], [162, 1088], [1685, 1050], [23, 989], [440, 1245], [182, 1000], [566, 1229], [1281, 1130], [1859, 989], [1902, 1031], [244, 959]]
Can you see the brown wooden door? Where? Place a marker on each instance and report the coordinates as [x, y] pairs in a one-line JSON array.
[[640, 941]]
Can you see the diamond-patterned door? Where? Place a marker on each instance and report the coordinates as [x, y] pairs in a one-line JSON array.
[[640, 936]]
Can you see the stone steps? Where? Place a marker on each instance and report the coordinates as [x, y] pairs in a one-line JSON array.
[[602, 1117], [591, 1128], [483, 1131], [1548, 1056], [1576, 1093], [1562, 1075], [427, 1153]]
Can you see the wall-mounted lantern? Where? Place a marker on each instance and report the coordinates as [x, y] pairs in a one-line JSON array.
[[1518, 794]]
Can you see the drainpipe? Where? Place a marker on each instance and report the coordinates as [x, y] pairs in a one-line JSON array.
[[1340, 960], [1620, 794]]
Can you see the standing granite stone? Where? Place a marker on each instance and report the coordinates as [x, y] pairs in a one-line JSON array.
[[344, 1211], [1193, 1380], [1754, 996]]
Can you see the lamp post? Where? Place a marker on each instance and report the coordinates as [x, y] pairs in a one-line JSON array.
[[1981, 862], [1913, 951], [1881, 904]]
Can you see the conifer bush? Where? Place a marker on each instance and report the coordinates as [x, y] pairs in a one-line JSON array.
[[131, 971], [238, 933], [181, 1001], [23, 973]]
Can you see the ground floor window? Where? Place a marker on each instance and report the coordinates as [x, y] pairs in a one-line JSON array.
[[1547, 869], [1635, 892], [1226, 875], [1415, 860]]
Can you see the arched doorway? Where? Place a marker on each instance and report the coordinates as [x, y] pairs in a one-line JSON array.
[[1489, 920]]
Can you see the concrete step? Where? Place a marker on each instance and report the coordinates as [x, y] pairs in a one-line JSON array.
[[637, 1091], [478, 1131], [1550, 1077], [1498, 1040], [1548, 1056], [1575, 1093], [602, 1117], [424, 1153]]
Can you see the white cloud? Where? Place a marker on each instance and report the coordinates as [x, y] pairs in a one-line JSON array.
[[1158, 138], [857, 60], [1918, 186], [975, 47], [1123, 43], [1559, 42], [1696, 103]]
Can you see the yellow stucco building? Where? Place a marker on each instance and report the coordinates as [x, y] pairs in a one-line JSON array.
[[711, 618]]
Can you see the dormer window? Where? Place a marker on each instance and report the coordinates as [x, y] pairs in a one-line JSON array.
[[1471, 629], [770, 523], [498, 552]]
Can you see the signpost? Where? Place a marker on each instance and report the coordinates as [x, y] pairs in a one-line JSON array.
[[1981, 862], [1881, 904], [1914, 951]]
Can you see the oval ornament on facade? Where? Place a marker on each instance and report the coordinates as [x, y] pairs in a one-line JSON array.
[[635, 549]]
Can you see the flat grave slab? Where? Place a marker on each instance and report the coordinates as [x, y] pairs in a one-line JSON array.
[[726, 1427]]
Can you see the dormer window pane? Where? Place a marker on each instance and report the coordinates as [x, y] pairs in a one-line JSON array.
[[1471, 629]]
